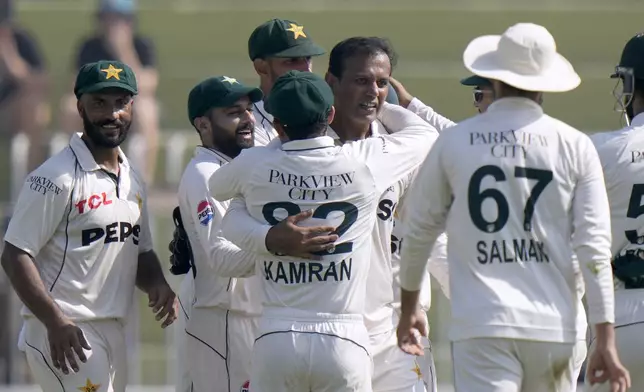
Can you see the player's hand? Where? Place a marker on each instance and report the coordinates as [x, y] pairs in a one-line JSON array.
[[404, 97], [604, 365], [410, 329], [290, 239], [163, 302], [65, 339]]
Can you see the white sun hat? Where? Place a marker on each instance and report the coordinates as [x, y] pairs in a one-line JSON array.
[[525, 57]]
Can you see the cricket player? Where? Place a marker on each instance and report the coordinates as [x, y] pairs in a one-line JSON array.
[[621, 157], [519, 192], [276, 47], [359, 73], [483, 98], [222, 323], [79, 242], [313, 309]]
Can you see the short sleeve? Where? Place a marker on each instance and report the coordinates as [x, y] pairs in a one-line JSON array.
[[39, 210], [29, 50], [146, 51]]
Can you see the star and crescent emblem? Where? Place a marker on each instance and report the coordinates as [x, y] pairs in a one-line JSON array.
[[89, 387], [298, 31], [112, 72]]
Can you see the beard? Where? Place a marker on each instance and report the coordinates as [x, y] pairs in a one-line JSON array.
[[94, 132], [241, 140]]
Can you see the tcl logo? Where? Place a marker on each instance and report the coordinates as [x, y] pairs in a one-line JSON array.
[[93, 202], [114, 232]]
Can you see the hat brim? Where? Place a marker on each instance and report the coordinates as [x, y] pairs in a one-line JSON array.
[[481, 57], [305, 50], [475, 81], [105, 85]]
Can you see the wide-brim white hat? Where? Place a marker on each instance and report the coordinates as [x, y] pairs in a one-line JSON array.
[[525, 57]]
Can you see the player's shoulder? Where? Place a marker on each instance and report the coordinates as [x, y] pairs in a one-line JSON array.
[[59, 170], [606, 140]]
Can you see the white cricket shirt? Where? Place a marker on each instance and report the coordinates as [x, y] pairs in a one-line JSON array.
[[202, 217], [264, 130], [85, 228], [511, 186], [622, 157], [342, 184]]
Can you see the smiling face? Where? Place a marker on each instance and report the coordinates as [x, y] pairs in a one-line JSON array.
[[107, 116], [229, 129], [362, 89]]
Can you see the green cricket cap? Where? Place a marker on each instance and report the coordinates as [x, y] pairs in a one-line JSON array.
[[300, 99], [282, 38], [218, 92], [475, 81], [93, 77], [633, 56]]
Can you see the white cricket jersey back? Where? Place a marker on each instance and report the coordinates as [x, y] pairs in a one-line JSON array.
[[84, 228], [202, 216], [341, 185], [622, 156], [507, 178]]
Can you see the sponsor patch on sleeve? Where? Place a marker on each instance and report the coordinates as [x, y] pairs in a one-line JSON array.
[[205, 212]]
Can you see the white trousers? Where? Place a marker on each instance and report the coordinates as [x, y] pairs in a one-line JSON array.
[[397, 371], [183, 382], [512, 365], [314, 356], [106, 366], [219, 346]]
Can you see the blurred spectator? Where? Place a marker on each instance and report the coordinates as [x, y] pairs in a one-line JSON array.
[[116, 38], [23, 85]]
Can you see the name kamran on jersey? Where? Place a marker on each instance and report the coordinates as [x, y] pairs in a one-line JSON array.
[[508, 144], [290, 272]]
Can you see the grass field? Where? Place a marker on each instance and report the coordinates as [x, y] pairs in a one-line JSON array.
[[193, 43]]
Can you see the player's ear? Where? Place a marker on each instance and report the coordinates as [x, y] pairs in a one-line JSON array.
[[331, 80], [280, 130], [79, 107], [331, 115], [261, 66]]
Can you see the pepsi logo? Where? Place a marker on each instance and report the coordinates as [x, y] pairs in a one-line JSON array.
[[245, 387], [204, 212]]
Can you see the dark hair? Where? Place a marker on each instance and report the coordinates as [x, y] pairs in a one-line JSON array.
[[356, 46], [307, 131]]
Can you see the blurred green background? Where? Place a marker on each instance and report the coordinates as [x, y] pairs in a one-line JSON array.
[[196, 39]]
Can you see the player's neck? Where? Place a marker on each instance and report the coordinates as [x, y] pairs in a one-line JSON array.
[[104, 157], [349, 130]]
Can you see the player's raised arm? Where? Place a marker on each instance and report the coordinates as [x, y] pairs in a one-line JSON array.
[[391, 157], [416, 106], [226, 182]]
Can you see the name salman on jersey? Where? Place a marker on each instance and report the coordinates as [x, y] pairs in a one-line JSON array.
[[508, 144], [312, 187]]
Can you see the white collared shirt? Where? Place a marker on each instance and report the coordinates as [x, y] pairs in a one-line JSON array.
[[512, 271], [85, 228], [202, 216], [622, 157], [317, 174], [264, 130]]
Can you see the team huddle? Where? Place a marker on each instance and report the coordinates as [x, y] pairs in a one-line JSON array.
[[292, 217]]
